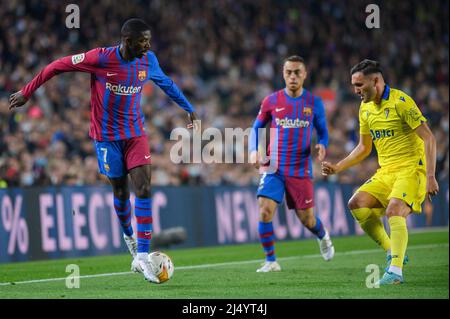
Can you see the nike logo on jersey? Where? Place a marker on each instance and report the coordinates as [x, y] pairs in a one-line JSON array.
[[147, 157], [280, 109], [110, 74], [308, 201]]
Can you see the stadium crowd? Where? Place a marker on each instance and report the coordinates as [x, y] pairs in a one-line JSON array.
[[226, 56]]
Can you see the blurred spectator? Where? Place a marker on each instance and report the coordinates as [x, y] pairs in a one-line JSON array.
[[226, 56]]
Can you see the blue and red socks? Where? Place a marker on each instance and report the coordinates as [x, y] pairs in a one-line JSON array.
[[123, 211], [318, 229], [267, 238], [144, 220]]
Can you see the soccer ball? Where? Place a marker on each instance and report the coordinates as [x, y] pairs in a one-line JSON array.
[[162, 265]]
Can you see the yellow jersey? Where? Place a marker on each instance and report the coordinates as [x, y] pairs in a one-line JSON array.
[[391, 125]]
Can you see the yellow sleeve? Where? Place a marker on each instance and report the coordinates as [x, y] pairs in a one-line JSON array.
[[363, 125], [409, 111]]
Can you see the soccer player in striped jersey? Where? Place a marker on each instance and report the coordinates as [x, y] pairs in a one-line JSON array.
[[406, 148], [117, 126], [293, 112]]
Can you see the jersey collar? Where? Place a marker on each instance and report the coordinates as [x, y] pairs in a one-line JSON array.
[[386, 92], [122, 61], [293, 98]]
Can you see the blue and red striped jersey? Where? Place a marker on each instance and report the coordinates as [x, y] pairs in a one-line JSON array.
[[116, 89], [291, 127]]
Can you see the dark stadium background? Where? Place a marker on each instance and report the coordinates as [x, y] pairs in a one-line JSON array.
[[226, 56]]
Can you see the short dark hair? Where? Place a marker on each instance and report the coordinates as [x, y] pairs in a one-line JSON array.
[[367, 67], [133, 27], [294, 58]]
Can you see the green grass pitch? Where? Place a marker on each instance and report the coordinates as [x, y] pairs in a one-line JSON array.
[[229, 272]]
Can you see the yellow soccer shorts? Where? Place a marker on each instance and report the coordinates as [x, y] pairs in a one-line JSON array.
[[407, 184]]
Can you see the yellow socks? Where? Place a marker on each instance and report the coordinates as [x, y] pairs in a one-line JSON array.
[[399, 240], [370, 221]]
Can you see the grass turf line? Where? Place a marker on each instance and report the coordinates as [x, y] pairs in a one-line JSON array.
[[304, 277]]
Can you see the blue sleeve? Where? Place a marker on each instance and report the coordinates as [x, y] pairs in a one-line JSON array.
[[253, 144], [166, 84], [320, 122]]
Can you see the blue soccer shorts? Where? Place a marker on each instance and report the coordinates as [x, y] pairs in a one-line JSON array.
[[117, 158], [299, 190]]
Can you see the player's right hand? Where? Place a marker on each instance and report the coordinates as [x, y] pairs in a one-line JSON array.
[[254, 159], [328, 168], [17, 100], [432, 187]]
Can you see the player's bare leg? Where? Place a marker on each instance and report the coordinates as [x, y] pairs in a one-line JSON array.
[[267, 209], [367, 211], [141, 179], [122, 207], [310, 221], [396, 212]]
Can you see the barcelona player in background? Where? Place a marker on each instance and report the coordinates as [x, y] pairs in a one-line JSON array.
[[293, 112], [117, 126], [406, 148]]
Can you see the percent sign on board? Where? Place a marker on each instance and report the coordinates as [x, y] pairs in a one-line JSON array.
[[15, 225]]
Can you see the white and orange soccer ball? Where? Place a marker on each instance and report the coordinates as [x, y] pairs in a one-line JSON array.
[[162, 265]]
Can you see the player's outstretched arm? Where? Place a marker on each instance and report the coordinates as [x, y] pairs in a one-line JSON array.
[[360, 152], [429, 140], [167, 84], [84, 62]]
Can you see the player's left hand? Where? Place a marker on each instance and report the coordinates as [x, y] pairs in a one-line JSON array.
[[328, 168], [194, 121], [321, 153], [432, 187]]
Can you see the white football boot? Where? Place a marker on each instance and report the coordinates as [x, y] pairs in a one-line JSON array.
[[326, 246], [147, 269], [132, 248], [136, 266], [269, 266]]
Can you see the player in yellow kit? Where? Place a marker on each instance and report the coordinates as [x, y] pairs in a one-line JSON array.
[[406, 148]]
